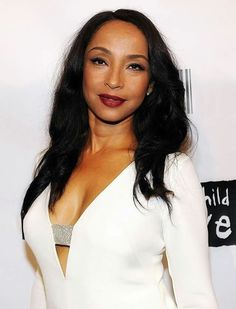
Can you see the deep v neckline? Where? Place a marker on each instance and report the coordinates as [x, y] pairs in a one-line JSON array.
[[96, 197], [80, 219]]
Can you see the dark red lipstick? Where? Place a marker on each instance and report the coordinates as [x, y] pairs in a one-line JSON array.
[[111, 100]]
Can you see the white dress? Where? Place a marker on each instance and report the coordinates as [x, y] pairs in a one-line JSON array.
[[115, 257]]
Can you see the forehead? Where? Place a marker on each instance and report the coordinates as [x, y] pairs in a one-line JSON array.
[[120, 34]]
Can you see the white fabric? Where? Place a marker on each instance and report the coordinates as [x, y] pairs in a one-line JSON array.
[[115, 258], [38, 299]]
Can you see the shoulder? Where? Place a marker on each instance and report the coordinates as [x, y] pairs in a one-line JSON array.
[[178, 166], [177, 160]]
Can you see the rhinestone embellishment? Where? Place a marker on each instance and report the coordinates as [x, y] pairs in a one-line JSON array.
[[62, 234]]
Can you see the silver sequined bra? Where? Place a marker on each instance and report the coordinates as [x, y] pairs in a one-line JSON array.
[[62, 234]]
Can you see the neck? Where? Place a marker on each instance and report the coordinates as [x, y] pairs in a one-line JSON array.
[[106, 136]]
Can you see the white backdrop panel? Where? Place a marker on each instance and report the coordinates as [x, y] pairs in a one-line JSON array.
[[33, 37]]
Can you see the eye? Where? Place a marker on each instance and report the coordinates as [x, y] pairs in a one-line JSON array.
[[98, 61], [136, 67]]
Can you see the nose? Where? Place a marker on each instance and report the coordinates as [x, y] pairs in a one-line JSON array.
[[114, 78]]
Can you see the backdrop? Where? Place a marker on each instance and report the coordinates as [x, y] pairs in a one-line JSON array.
[[34, 35]]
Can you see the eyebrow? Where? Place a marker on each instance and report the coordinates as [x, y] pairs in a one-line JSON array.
[[107, 51]]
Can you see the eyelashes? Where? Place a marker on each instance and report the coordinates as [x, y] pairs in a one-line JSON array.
[[97, 61], [134, 66]]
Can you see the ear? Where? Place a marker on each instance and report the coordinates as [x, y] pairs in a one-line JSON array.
[[150, 88]]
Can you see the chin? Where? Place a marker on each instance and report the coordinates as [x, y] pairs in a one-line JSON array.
[[111, 119]]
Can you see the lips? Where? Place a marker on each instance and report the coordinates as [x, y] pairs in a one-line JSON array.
[[110, 100], [112, 97]]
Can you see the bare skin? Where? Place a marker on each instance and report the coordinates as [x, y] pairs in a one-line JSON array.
[[112, 143]]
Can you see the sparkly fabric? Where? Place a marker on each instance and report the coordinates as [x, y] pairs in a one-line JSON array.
[[62, 234]]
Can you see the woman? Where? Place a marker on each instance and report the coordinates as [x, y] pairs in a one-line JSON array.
[[114, 190]]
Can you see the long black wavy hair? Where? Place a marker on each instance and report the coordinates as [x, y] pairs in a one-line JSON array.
[[160, 124]]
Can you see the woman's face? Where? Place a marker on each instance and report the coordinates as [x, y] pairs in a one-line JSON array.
[[116, 64]]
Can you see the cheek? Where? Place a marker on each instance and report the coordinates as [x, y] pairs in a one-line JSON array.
[[138, 87], [86, 80], [91, 82]]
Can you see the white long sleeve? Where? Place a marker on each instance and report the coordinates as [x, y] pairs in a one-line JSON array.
[[38, 299], [187, 239], [116, 250]]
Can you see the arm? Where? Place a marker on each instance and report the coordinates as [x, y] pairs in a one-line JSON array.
[[186, 240], [38, 299]]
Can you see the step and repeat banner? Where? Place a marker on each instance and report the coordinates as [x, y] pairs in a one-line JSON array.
[[34, 35], [221, 204]]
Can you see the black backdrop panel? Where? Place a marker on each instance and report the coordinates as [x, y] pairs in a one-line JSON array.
[[221, 205]]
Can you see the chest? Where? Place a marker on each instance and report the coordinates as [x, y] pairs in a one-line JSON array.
[[111, 221], [84, 186]]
